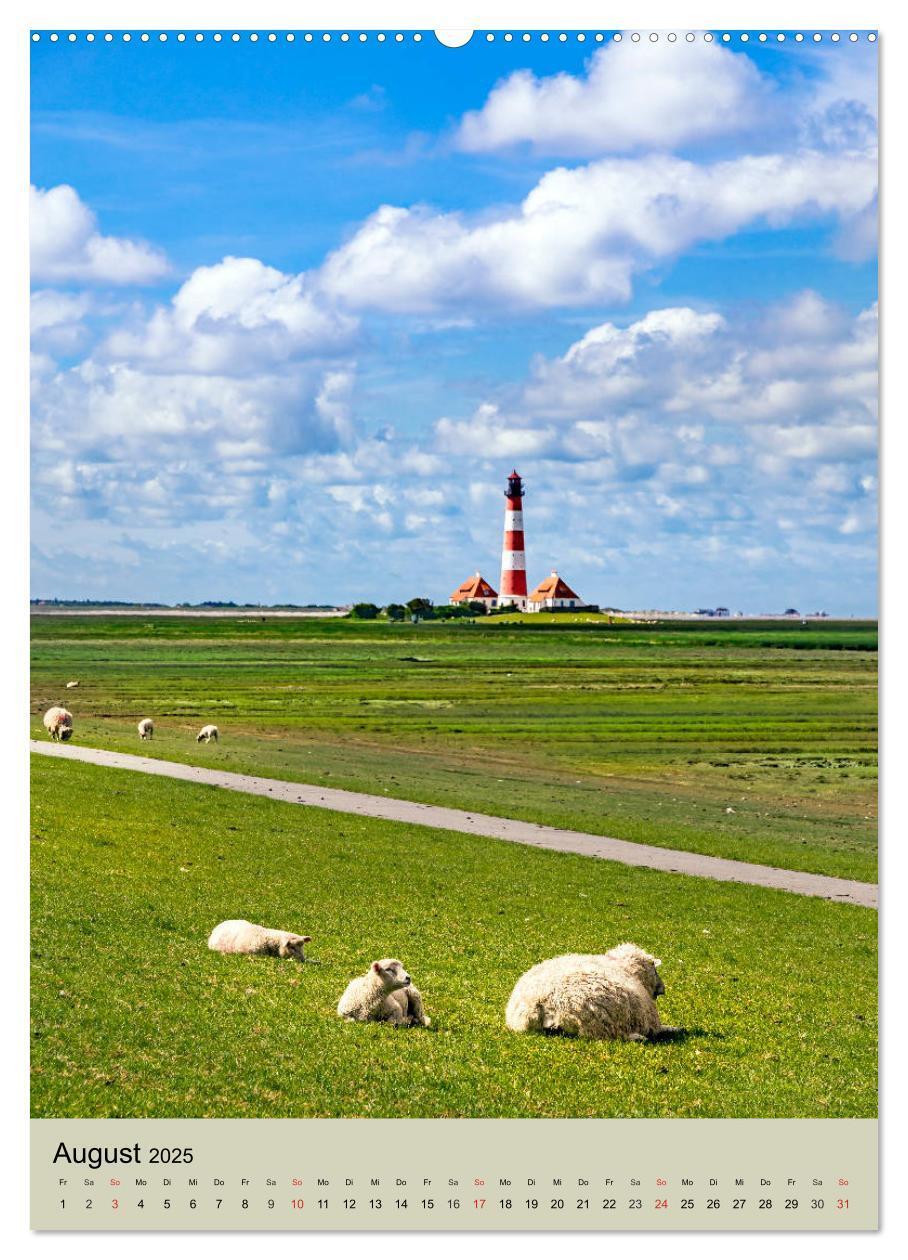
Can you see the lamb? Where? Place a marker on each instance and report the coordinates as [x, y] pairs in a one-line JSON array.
[[146, 729], [384, 993], [58, 722], [208, 733], [591, 995], [237, 936]]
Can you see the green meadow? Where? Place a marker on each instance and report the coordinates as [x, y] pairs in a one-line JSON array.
[[133, 1016], [749, 740]]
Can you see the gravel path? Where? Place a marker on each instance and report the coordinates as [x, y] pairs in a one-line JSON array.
[[625, 851]]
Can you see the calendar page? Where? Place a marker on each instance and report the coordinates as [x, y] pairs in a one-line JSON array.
[[454, 591]]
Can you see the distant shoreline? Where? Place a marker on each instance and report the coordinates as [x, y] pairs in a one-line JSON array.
[[650, 616], [138, 611]]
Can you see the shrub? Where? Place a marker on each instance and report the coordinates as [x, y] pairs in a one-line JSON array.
[[365, 612]]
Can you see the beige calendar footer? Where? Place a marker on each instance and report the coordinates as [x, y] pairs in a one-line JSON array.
[[454, 1174]]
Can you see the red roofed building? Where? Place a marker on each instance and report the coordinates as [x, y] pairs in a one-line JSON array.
[[553, 592], [475, 590]]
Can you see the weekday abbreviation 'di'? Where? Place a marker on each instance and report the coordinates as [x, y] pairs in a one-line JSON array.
[[513, 587]]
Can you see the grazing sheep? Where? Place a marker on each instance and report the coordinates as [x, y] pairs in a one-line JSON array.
[[72, 684], [384, 993], [208, 733], [591, 995], [237, 936], [58, 723], [146, 729]]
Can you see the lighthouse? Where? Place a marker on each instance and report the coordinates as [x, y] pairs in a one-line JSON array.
[[513, 588]]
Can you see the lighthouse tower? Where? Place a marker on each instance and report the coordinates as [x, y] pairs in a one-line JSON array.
[[513, 587]]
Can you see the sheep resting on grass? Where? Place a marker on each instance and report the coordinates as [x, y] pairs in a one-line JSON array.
[[208, 733], [591, 995], [58, 723], [146, 729], [384, 993], [238, 936]]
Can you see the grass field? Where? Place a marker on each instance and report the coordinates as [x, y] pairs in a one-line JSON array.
[[747, 740], [133, 1016]]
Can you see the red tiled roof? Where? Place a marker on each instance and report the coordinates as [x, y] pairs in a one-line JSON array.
[[475, 587], [553, 587]]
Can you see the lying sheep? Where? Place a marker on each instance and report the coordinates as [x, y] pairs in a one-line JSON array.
[[58, 722], [70, 685], [591, 995], [146, 729], [237, 936], [208, 733], [384, 993]]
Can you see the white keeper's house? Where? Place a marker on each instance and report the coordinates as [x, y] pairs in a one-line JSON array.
[[553, 592], [475, 590]]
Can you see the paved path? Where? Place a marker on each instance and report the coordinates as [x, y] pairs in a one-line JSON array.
[[535, 834]]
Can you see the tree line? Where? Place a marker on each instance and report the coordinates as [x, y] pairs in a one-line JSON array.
[[420, 609]]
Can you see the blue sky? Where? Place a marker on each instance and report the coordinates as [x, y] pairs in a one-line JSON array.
[[299, 308]]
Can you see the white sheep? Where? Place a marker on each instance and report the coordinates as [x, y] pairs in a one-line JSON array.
[[384, 993], [208, 733], [58, 722], [591, 995], [238, 936], [70, 685], [146, 729]]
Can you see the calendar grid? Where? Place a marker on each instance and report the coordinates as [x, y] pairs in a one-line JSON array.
[[450, 1174]]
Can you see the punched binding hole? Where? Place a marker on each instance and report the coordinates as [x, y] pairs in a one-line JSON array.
[[453, 39]]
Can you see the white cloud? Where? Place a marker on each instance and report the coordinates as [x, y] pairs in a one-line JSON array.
[[838, 102], [119, 412], [833, 479], [49, 309], [656, 94], [605, 347], [232, 318], [492, 434], [814, 442], [66, 245], [615, 365], [580, 235], [787, 395], [238, 374], [804, 359], [665, 96], [57, 320]]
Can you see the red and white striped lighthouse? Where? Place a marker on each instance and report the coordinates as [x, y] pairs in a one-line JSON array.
[[513, 587]]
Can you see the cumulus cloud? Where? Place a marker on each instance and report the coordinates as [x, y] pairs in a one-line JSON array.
[[189, 408], [66, 245], [694, 417], [795, 384], [612, 365], [838, 103], [57, 320], [110, 412], [666, 96], [815, 442], [232, 318], [492, 433], [804, 358], [580, 235], [660, 95]]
